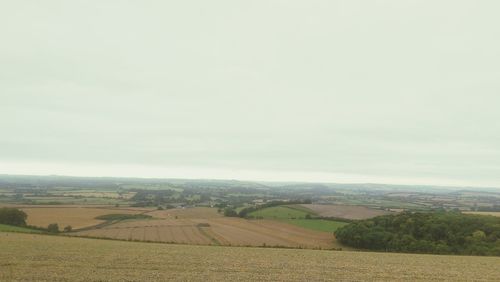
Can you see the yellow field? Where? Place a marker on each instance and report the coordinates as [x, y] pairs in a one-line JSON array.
[[484, 213], [204, 226], [57, 258], [76, 216]]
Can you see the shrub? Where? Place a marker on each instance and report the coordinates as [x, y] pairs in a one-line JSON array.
[[53, 228]]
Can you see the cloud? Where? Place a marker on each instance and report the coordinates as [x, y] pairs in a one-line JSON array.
[[391, 91]]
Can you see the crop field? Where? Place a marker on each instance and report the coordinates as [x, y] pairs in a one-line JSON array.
[[344, 211], [296, 215], [76, 216], [215, 231], [279, 212], [317, 224], [29, 257], [183, 213]]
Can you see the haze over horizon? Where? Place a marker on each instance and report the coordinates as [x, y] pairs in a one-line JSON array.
[[321, 91]]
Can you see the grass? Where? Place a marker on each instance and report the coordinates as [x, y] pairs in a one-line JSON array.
[[296, 215], [10, 228], [317, 224], [280, 212], [30, 257]]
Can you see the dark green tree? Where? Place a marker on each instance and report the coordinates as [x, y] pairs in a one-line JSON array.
[[53, 228], [12, 216]]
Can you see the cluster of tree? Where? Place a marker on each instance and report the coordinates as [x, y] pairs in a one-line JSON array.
[[246, 211], [12, 216], [54, 228], [433, 232]]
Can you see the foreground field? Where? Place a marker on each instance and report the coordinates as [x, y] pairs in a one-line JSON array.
[[344, 211], [56, 258]]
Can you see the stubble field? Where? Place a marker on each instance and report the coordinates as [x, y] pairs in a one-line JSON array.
[[54, 258]]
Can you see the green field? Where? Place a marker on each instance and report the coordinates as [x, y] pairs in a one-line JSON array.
[[10, 228], [280, 212], [317, 224], [32, 257], [296, 216]]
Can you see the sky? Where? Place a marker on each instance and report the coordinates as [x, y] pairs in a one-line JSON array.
[[402, 92]]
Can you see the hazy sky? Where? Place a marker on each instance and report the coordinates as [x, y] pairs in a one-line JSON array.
[[341, 91]]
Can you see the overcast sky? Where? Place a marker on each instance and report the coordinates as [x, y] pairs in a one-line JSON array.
[[340, 91]]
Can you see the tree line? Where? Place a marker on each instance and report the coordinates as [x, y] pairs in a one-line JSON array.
[[420, 232], [245, 212]]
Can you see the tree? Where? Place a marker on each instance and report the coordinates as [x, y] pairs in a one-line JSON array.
[[68, 228], [230, 212], [53, 228], [12, 216], [430, 232]]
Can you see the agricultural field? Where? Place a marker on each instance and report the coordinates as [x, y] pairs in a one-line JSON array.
[[344, 211], [296, 215], [317, 224], [204, 226], [280, 212], [76, 216], [56, 258]]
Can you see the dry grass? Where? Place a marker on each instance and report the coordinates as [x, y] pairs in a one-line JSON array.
[[344, 211], [26, 257]]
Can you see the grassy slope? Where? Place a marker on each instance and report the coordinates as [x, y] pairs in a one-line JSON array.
[[295, 216], [10, 228], [55, 258]]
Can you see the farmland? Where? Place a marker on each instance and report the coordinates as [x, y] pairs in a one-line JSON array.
[[204, 226], [279, 212], [317, 224], [296, 215], [56, 258], [344, 211], [76, 216]]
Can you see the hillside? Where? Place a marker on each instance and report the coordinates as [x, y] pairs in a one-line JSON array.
[[56, 258]]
